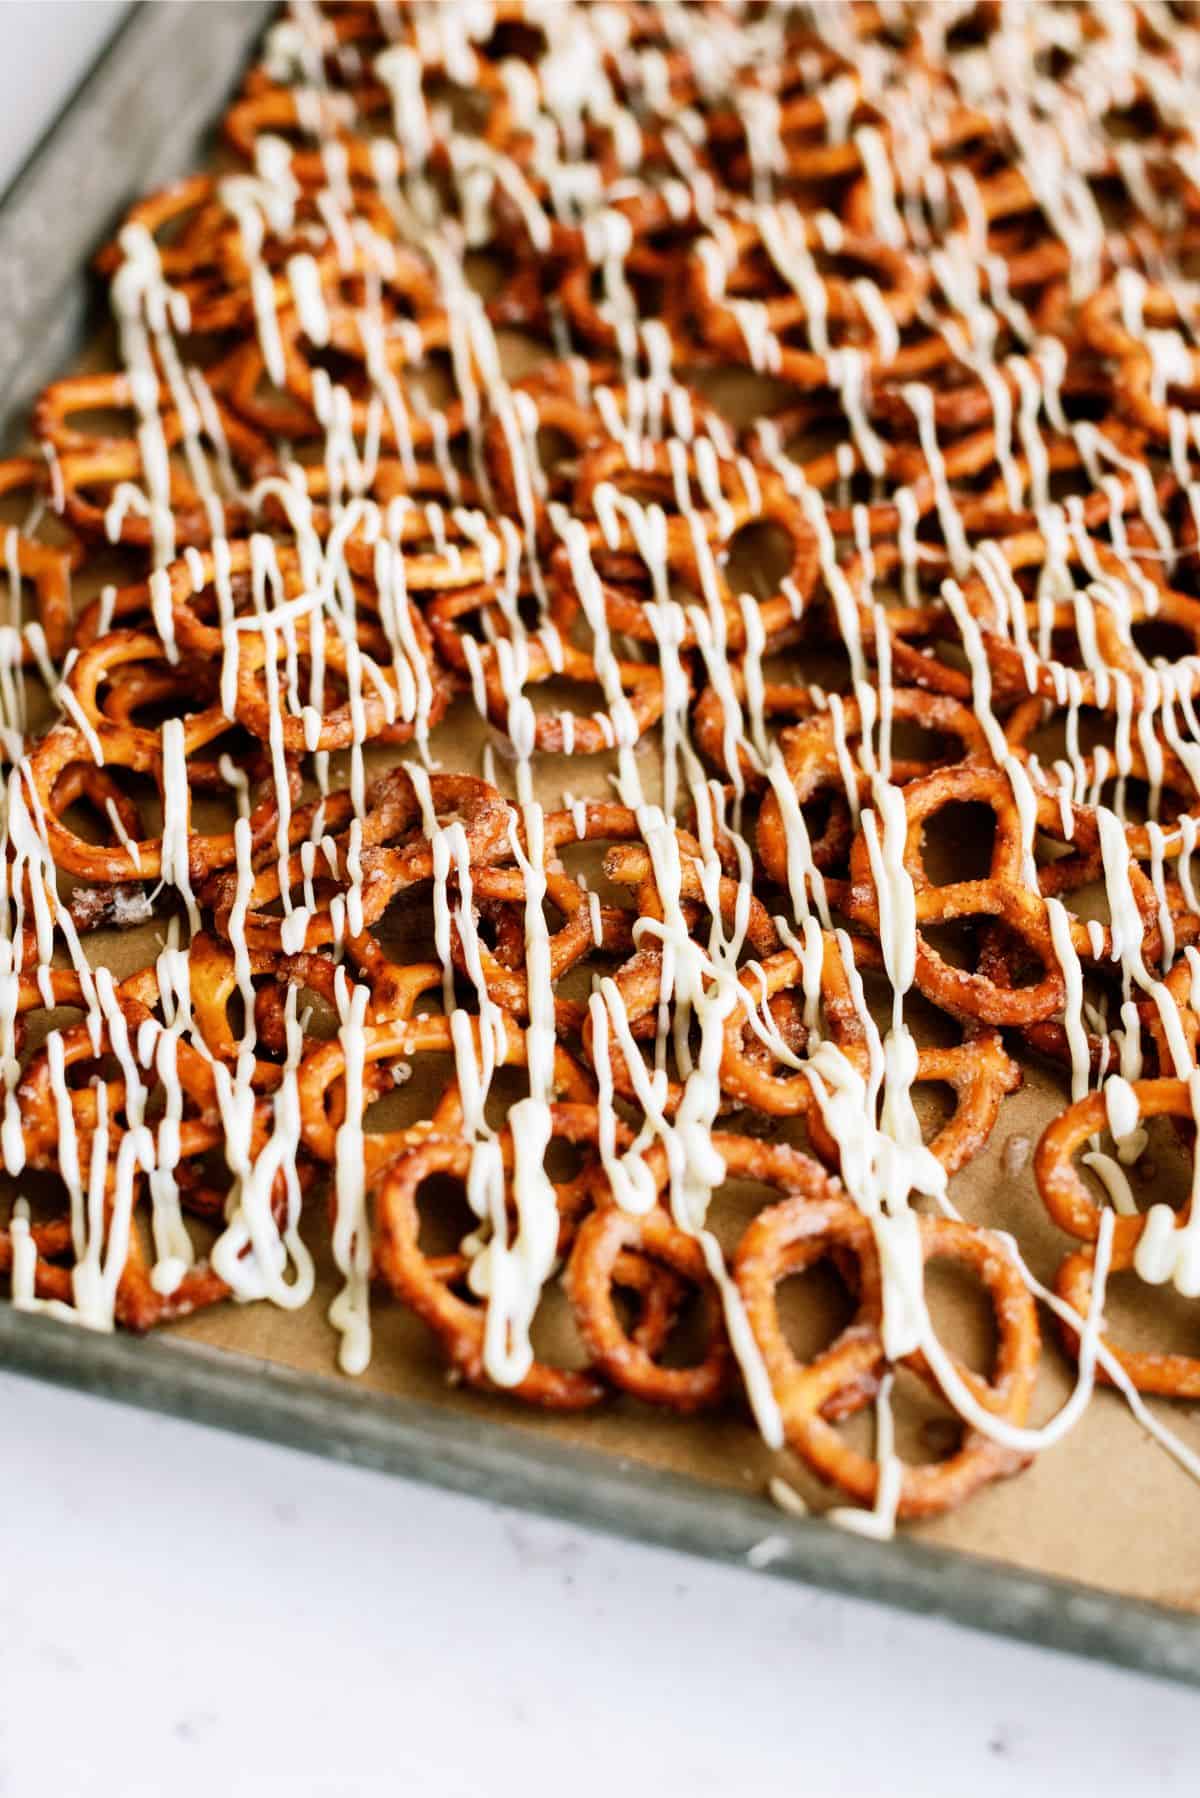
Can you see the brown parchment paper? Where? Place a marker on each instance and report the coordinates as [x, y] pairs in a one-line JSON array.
[[1106, 1506]]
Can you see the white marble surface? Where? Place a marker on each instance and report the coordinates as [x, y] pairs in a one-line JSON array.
[[48, 46], [185, 1613]]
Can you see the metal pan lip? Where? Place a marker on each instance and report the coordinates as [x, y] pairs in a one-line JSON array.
[[139, 118]]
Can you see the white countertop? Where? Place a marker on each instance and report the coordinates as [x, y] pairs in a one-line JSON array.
[[185, 1613], [182, 1612]]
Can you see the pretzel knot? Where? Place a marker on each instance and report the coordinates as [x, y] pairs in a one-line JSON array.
[[460, 1323], [819, 1222]]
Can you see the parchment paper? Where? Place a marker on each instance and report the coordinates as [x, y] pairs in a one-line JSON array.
[[1107, 1506]]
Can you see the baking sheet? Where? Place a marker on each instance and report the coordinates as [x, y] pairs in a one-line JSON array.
[[1107, 1509]]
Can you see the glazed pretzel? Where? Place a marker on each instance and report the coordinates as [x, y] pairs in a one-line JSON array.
[[806, 1228]]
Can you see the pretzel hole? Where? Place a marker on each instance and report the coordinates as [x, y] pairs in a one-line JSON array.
[[1054, 62], [929, 1026], [586, 860], [18, 598], [87, 822], [1048, 739], [822, 813], [321, 1018], [1162, 1173], [1067, 483], [39, 1024], [935, 1104], [1047, 850], [206, 607], [102, 422], [1065, 647], [343, 367], [404, 932], [961, 1313], [955, 943], [172, 231], [1167, 1327], [501, 927], [82, 1075], [807, 432], [521, 353], [648, 488], [941, 651], [561, 693], [648, 289], [821, 656], [626, 1303], [201, 1179], [688, 1340], [783, 667], [514, 38], [444, 1217], [796, 332], [1129, 123], [409, 1102], [211, 813], [44, 1192], [1011, 964], [557, 454], [814, 1306], [913, 741], [1134, 795], [470, 623], [759, 556], [31, 514], [970, 32], [685, 587], [958, 842], [1090, 903], [468, 107], [1162, 640], [354, 291], [740, 396], [926, 1431], [553, 1334], [399, 1107], [432, 386], [736, 1202]]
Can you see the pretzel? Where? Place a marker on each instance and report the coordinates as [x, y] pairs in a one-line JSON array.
[[1063, 1192], [458, 1323], [802, 1230], [47, 566], [1137, 379], [1002, 896], [812, 760], [627, 1363], [739, 262], [395, 856]]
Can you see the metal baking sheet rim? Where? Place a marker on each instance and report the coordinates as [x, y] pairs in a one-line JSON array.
[[139, 119]]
